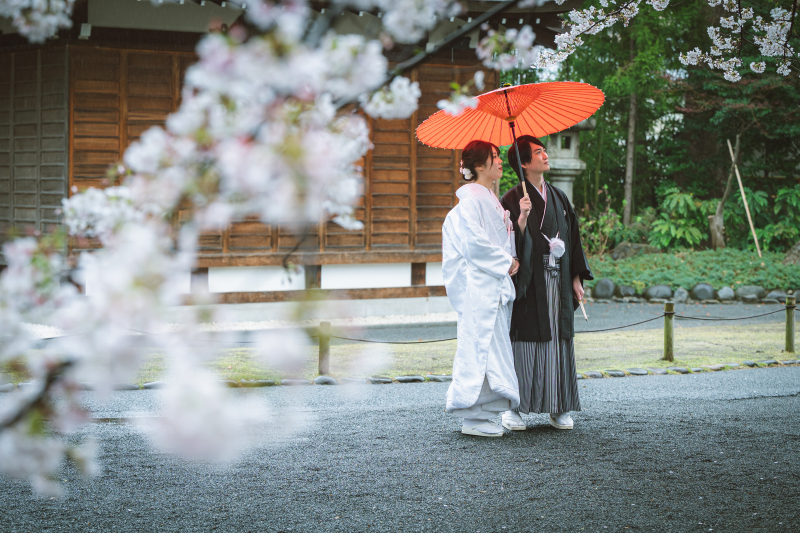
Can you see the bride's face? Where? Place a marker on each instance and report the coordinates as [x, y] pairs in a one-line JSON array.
[[493, 168]]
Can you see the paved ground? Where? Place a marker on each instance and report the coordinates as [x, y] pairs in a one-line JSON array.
[[601, 316], [706, 452]]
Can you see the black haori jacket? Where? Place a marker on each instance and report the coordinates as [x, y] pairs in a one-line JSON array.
[[530, 321]]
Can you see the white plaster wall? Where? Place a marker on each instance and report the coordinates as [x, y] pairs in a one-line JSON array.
[[433, 274], [366, 276], [168, 16], [254, 279]]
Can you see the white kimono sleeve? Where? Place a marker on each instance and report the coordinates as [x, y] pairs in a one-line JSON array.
[[479, 250], [454, 265]]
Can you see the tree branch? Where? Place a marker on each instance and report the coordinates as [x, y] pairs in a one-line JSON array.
[[53, 375], [741, 30], [791, 27], [728, 187], [422, 56], [297, 245]]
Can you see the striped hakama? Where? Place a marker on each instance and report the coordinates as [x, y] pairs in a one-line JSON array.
[[546, 370]]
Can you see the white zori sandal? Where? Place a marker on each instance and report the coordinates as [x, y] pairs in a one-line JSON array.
[[513, 421], [561, 421], [481, 428]]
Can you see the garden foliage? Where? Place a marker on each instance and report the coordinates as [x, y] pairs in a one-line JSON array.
[[722, 268]]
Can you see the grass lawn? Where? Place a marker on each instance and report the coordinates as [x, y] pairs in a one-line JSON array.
[[694, 347]]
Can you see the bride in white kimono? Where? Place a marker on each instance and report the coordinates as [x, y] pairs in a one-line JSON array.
[[478, 260]]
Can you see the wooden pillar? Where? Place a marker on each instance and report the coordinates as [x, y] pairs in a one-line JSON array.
[[199, 283], [313, 275], [368, 192], [123, 103], [412, 174], [418, 273]]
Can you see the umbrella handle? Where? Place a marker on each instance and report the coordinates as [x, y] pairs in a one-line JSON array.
[[519, 161], [510, 120]]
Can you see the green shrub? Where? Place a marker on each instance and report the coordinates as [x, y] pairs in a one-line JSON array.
[[723, 268], [598, 230], [683, 220], [639, 230]]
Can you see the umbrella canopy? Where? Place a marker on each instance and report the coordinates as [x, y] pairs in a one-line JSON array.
[[538, 109]]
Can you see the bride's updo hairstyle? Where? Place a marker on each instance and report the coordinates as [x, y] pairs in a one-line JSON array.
[[475, 153]]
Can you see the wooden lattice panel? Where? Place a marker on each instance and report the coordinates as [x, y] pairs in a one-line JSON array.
[[33, 138]]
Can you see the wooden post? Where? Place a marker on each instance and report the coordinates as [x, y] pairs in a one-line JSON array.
[[669, 316], [324, 348], [791, 303]]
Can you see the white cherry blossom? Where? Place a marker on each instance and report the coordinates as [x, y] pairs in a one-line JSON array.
[[398, 100], [38, 20]]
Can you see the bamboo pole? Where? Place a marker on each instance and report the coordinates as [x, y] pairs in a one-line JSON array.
[[791, 303], [324, 348], [669, 338], [744, 198]]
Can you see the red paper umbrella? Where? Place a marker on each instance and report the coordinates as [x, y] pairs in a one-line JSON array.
[[536, 109]]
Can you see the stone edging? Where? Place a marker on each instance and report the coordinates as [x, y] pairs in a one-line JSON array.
[[606, 290], [662, 301], [611, 373], [255, 383], [436, 378]]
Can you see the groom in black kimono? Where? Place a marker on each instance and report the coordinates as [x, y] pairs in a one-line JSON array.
[[548, 291]]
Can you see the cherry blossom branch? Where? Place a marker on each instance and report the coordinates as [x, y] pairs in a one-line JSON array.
[[741, 30], [25, 407], [299, 242], [791, 28], [453, 36]]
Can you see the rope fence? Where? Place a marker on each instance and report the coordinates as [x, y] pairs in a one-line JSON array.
[[668, 315], [325, 336], [716, 319]]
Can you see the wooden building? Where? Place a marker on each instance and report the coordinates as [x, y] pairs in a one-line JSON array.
[[69, 109]]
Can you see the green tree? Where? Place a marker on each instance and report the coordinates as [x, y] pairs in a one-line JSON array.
[[634, 67]]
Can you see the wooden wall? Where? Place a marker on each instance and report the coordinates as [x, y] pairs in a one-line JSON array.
[[33, 138], [115, 95]]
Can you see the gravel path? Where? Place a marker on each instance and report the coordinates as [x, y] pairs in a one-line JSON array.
[[706, 452]]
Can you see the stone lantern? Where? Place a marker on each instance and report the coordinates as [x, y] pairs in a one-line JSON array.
[[564, 155]]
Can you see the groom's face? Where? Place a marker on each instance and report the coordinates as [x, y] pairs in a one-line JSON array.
[[539, 161]]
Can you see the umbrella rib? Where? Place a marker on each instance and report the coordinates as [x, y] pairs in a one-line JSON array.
[[465, 130], [551, 127], [537, 128], [462, 125], [560, 105], [436, 128], [522, 121], [439, 133], [436, 133], [482, 133]]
